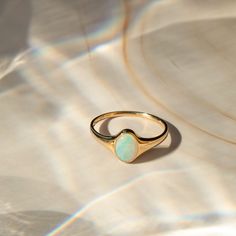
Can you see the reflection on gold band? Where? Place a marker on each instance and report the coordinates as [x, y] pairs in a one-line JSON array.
[[134, 144]]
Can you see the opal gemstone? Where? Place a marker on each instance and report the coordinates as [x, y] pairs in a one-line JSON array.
[[126, 147]]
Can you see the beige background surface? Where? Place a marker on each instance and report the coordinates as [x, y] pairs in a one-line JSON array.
[[64, 62]]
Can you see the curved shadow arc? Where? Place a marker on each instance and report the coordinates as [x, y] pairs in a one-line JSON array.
[[137, 81], [158, 152]]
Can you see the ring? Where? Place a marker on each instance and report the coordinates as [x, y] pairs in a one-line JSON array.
[[127, 145]]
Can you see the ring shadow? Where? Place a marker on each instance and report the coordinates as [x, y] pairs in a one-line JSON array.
[[154, 153]]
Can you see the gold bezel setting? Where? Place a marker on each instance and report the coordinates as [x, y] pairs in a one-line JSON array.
[[142, 144], [126, 146]]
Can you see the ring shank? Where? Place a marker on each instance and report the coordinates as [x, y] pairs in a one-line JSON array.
[[115, 114]]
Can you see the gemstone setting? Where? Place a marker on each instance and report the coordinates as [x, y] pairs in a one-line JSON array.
[[126, 147]]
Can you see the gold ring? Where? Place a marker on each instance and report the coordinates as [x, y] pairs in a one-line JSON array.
[[127, 145]]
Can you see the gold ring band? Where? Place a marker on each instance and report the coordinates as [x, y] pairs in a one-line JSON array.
[[127, 145]]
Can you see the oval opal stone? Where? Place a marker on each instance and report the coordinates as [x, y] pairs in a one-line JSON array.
[[126, 147]]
